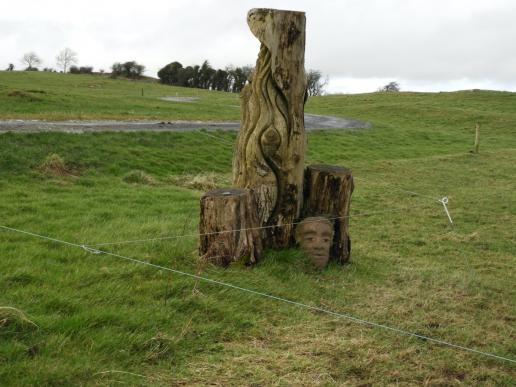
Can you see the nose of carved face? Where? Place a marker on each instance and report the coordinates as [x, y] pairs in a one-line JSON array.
[[316, 248], [318, 251]]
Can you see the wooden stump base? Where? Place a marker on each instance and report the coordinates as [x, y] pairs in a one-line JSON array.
[[327, 192], [229, 227]]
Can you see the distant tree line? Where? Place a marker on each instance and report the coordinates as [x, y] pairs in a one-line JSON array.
[[230, 79], [203, 76], [129, 69], [66, 60], [81, 70]]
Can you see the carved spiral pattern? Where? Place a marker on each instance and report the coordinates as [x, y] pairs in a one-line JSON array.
[[264, 131], [269, 156]]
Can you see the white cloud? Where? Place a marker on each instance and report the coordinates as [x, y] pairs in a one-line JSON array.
[[433, 45]]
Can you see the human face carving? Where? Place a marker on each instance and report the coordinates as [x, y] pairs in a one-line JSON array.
[[315, 236]]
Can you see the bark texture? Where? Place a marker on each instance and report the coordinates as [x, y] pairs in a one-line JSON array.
[[269, 156], [327, 193], [228, 227]]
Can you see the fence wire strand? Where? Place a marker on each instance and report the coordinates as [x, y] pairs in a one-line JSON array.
[[247, 229], [272, 297]]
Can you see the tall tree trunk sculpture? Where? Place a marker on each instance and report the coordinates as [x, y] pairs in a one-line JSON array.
[[269, 156]]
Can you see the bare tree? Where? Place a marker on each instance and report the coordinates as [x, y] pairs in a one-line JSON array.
[[31, 60], [390, 87], [66, 58], [314, 83]]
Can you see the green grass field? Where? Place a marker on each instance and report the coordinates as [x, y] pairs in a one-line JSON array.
[[102, 320], [52, 96]]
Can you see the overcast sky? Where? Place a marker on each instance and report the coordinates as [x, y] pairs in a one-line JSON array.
[[425, 45]]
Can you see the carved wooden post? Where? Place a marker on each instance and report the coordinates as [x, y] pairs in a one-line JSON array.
[[328, 190], [269, 155], [228, 227]]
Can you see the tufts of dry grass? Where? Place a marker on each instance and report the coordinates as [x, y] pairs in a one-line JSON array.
[[457, 237], [55, 165], [330, 352], [162, 345], [139, 177], [158, 347], [24, 95], [10, 316]]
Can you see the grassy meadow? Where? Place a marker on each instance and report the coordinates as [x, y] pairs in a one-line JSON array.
[[53, 96], [94, 319]]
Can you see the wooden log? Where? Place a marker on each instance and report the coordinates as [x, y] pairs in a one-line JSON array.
[[229, 227], [327, 193], [270, 149]]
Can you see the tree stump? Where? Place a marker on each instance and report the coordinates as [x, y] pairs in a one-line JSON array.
[[327, 192], [229, 227], [270, 148]]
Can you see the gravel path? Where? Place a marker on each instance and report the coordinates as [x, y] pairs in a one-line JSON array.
[[312, 122]]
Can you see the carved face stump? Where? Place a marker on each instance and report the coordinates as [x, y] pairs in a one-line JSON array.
[[315, 236]]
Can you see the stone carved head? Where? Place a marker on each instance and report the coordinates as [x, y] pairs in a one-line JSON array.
[[315, 237]]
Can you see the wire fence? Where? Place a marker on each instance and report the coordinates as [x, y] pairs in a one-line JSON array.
[[94, 249], [340, 315], [195, 235], [444, 200]]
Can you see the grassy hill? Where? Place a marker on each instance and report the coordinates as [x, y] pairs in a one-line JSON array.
[[104, 321], [54, 96]]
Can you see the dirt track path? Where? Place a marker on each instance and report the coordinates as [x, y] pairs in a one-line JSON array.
[[312, 122]]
